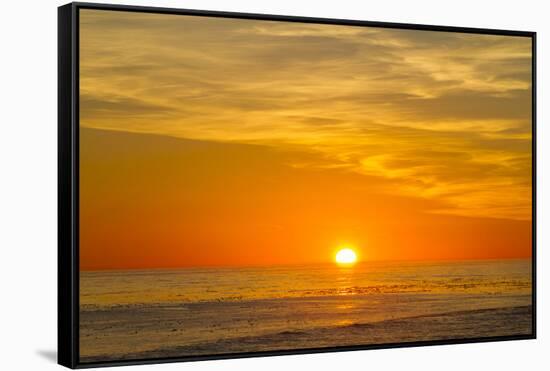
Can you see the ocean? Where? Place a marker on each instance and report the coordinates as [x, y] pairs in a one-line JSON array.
[[136, 314]]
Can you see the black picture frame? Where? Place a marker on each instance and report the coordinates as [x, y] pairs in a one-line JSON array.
[[68, 179]]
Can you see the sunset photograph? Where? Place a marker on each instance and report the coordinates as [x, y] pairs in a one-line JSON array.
[[259, 186]]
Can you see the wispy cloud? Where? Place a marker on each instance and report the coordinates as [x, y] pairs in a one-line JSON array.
[[440, 115]]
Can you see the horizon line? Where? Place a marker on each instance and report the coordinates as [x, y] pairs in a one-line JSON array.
[[238, 266]]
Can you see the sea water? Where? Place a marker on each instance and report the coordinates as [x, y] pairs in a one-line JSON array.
[[135, 314]]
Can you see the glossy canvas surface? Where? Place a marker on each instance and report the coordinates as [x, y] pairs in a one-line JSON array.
[[251, 185]]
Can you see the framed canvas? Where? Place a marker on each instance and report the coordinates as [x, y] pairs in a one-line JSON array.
[[237, 185]]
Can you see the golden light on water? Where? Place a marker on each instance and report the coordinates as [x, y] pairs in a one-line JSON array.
[[346, 256]]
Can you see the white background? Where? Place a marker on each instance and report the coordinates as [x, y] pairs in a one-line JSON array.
[[28, 181]]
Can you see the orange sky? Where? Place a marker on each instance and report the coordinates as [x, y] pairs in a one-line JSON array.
[[235, 142]]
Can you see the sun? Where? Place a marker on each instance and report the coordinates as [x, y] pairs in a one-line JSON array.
[[346, 256]]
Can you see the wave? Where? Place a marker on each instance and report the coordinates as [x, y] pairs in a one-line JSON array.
[[508, 287], [464, 324]]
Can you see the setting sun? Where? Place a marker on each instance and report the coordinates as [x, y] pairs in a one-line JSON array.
[[346, 256]]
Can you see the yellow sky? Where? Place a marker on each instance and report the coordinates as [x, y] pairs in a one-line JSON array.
[[442, 118]]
